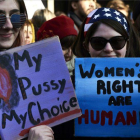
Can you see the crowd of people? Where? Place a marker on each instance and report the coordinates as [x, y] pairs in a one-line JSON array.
[[88, 30]]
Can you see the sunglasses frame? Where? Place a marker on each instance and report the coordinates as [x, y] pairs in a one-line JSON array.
[[106, 40], [15, 24]]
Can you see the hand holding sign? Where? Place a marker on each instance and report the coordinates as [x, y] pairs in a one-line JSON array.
[[42, 132]]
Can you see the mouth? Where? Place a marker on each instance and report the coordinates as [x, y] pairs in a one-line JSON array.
[[91, 9], [6, 35], [67, 59], [27, 41]]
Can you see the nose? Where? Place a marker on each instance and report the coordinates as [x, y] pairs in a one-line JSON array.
[[69, 52], [27, 35], [108, 47], [8, 24]]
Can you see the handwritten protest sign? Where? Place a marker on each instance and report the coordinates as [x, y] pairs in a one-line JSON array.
[[35, 88], [108, 91]]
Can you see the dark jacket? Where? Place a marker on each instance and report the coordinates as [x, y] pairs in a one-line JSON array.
[[75, 18]]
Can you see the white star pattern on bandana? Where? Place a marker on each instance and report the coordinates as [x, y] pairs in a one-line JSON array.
[[106, 10], [117, 13], [107, 15], [124, 20], [125, 27], [118, 19], [96, 16]]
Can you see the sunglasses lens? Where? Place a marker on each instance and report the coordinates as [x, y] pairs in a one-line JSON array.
[[98, 43], [2, 20], [18, 20], [117, 42]]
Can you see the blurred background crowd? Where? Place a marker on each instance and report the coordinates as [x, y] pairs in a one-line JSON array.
[[79, 13]]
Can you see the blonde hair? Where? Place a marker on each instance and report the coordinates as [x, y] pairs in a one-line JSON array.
[[40, 16], [29, 23]]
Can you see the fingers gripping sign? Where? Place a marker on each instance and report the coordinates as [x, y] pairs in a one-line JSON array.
[[42, 132]]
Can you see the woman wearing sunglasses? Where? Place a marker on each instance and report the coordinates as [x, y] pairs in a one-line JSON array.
[[12, 17], [106, 33]]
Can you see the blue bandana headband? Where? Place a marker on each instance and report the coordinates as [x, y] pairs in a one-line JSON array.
[[105, 13]]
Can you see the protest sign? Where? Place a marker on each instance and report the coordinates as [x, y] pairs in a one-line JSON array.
[[108, 92], [35, 88]]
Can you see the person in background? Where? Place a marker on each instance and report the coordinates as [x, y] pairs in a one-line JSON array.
[[120, 6], [11, 36], [79, 9], [59, 13], [98, 5], [105, 33], [63, 27], [40, 16], [136, 16], [29, 32]]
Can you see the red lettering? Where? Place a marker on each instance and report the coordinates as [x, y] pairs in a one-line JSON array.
[[85, 116], [92, 117], [120, 118], [131, 118], [95, 117], [104, 115]]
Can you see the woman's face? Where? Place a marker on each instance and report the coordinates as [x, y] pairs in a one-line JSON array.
[[8, 34], [28, 34], [107, 33], [67, 54]]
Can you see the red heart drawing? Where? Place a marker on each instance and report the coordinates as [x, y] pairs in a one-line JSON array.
[[5, 85]]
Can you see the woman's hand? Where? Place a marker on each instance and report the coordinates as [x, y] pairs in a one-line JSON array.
[[41, 132]]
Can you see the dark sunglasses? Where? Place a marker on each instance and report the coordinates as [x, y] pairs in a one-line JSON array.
[[17, 20], [117, 42]]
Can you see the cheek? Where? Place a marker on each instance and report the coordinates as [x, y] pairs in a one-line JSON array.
[[31, 35], [83, 6], [64, 52], [25, 34], [122, 52]]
